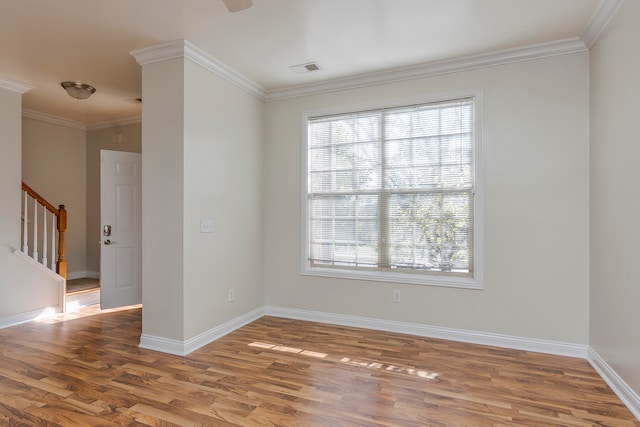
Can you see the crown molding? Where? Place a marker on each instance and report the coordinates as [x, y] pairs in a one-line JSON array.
[[222, 70], [111, 123], [600, 19], [186, 49], [44, 117], [15, 85], [559, 47], [160, 52]]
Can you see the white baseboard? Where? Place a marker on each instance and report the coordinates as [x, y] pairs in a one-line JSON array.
[[182, 348], [83, 299], [484, 338], [16, 319], [629, 397], [165, 345], [83, 275]]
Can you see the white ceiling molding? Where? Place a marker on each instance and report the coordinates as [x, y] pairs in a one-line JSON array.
[[111, 123], [222, 70], [15, 85], [43, 117], [600, 19], [184, 48], [560, 47], [161, 52], [53, 119]]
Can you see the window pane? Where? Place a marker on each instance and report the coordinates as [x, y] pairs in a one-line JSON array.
[[344, 229], [393, 188], [346, 155], [430, 231]]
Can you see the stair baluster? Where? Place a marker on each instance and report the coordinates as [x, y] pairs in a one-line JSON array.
[[59, 217]]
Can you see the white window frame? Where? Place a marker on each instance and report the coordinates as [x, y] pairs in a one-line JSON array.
[[444, 279]]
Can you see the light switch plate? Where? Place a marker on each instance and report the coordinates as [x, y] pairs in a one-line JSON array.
[[206, 225]]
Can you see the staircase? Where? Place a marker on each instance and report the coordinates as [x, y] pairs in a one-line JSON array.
[[43, 228]]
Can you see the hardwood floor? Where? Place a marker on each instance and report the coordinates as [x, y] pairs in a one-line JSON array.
[[89, 371]]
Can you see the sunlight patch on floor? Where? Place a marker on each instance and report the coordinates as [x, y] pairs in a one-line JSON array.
[[349, 361], [78, 311]]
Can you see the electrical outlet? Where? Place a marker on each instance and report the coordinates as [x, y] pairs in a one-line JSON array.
[[231, 295], [397, 296]]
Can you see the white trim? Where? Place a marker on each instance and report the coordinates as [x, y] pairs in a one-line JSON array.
[[192, 344], [161, 52], [600, 19], [44, 117], [629, 397], [186, 49], [475, 282], [15, 85], [474, 337], [164, 345], [111, 123], [222, 70], [82, 299], [183, 48], [17, 319], [182, 348], [526, 53], [60, 121]]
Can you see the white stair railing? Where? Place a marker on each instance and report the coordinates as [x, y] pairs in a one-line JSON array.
[[37, 217]]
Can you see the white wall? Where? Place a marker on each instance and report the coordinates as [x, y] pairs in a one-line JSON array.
[[222, 181], [162, 199], [536, 207], [202, 159], [615, 207], [10, 170], [54, 165], [101, 139], [22, 288]]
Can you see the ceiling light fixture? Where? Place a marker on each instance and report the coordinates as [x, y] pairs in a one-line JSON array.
[[237, 5], [78, 90]]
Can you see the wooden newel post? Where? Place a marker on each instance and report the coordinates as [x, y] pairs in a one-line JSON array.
[[61, 265]]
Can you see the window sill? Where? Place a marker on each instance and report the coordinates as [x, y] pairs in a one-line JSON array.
[[395, 277]]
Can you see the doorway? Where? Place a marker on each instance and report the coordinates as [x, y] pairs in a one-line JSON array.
[[120, 229]]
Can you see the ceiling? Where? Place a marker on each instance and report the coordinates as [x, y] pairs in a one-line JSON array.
[[44, 42]]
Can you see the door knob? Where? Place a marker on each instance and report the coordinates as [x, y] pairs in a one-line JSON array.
[[107, 242]]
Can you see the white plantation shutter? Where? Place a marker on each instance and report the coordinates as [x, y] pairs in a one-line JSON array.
[[393, 189]]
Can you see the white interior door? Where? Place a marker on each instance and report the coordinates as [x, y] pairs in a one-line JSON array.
[[120, 233]]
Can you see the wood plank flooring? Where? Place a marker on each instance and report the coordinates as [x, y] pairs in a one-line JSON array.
[[89, 371]]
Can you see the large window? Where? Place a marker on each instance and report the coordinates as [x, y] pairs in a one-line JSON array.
[[392, 193]]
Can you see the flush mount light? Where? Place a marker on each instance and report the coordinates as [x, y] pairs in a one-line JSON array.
[[78, 90], [237, 5]]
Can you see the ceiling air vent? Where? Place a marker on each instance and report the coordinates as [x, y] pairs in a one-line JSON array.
[[305, 68]]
